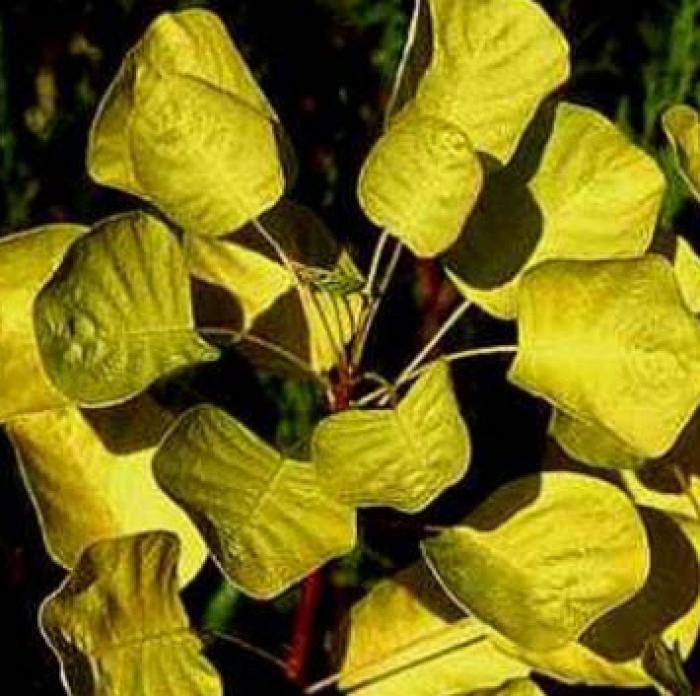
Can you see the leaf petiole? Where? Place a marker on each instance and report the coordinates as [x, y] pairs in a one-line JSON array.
[[238, 337], [450, 357], [373, 308]]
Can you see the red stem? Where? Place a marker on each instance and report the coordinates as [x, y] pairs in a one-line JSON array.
[[312, 587], [304, 619]]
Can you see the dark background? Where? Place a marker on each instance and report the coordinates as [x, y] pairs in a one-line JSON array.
[[326, 66]]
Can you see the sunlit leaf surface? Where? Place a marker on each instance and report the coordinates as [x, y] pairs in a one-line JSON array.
[[83, 492], [407, 638], [614, 646], [622, 350], [404, 457], [686, 265], [492, 63], [573, 549], [421, 181], [27, 262], [117, 315], [255, 280], [266, 519], [598, 195], [184, 126], [118, 627]]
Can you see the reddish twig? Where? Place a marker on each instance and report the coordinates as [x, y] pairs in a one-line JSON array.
[[312, 588], [304, 619]]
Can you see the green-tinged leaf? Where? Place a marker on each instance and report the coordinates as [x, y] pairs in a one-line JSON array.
[[552, 568], [599, 198], [404, 457], [622, 635], [117, 314], [682, 128], [493, 62], [407, 638], [344, 279], [591, 443], [686, 265], [27, 261], [421, 181], [83, 492], [623, 350], [184, 126], [266, 519], [117, 625]]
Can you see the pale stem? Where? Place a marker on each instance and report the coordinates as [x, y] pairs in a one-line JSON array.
[[400, 71], [687, 489], [451, 357], [376, 258], [306, 296], [322, 685], [359, 345], [268, 345], [411, 645], [384, 382], [437, 337], [249, 647]]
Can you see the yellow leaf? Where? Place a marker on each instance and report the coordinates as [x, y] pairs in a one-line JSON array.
[[407, 638], [493, 62], [671, 591], [83, 492], [671, 588], [647, 490], [682, 128], [403, 457], [611, 343], [332, 320], [27, 262], [255, 280], [686, 265], [576, 664], [570, 552], [599, 198], [421, 181], [117, 625], [184, 126], [591, 443], [246, 265], [117, 315], [266, 519], [515, 687]]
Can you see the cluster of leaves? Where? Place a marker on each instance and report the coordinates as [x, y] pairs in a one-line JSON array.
[[542, 212]]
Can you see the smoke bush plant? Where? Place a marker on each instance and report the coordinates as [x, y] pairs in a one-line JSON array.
[[542, 213]]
